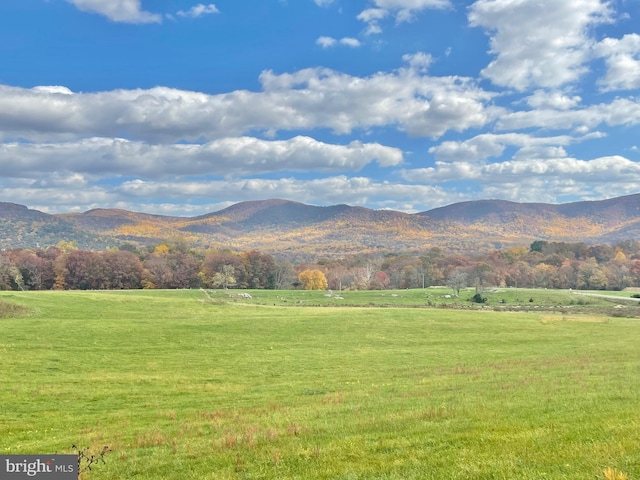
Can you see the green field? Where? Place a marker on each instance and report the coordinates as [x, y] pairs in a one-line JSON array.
[[212, 385]]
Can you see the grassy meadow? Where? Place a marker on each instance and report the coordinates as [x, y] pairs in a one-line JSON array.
[[213, 385]]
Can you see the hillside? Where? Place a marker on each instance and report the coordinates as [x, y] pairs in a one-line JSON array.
[[603, 221], [24, 227], [296, 229]]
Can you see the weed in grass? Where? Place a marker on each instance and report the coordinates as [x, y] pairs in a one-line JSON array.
[[294, 429], [250, 436], [271, 434], [87, 459], [613, 474], [230, 440], [152, 438]]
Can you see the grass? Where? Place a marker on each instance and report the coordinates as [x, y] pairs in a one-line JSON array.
[[181, 386], [617, 303]]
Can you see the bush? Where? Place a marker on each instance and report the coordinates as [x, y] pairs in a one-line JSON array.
[[478, 298]]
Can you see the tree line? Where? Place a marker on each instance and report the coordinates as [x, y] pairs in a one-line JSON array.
[[175, 265]]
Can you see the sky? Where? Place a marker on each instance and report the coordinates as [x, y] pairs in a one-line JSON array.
[[184, 108]]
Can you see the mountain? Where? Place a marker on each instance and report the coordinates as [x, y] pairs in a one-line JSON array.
[[602, 221], [299, 230], [24, 227]]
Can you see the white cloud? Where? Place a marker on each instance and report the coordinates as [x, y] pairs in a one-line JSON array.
[[124, 11], [402, 10], [229, 156], [326, 42], [373, 15], [350, 42], [198, 11], [328, 190], [323, 3], [307, 99], [420, 105], [418, 61], [621, 111], [182, 196], [552, 99], [53, 89], [487, 145], [543, 179], [541, 43], [622, 58]]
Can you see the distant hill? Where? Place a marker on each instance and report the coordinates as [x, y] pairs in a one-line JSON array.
[[22, 227], [298, 230], [603, 221]]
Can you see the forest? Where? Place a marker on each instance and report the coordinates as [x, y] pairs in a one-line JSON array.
[[173, 265]]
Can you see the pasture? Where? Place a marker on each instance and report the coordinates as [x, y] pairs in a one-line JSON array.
[[212, 385]]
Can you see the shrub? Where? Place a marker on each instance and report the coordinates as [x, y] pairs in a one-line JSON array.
[[478, 298]]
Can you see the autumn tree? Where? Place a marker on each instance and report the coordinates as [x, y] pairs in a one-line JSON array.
[[259, 269], [380, 281], [36, 270], [215, 262], [283, 275], [224, 278], [313, 279], [172, 270], [457, 280], [10, 277], [124, 270]]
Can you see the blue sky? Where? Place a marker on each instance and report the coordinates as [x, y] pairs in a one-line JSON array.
[[182, 108]]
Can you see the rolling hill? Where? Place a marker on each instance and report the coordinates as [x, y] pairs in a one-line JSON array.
[[295, 229]]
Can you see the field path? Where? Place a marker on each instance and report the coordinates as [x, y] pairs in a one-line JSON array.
[[609, 297]]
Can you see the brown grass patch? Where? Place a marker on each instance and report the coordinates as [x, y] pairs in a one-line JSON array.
[[13, 310], [152, 438]]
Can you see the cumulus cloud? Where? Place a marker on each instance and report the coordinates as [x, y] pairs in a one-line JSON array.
[[621, 111], [350, 42], [186, 196], [622, 58], [401, 10], [487, 145], [124, 11], [419, 61], [323, 3], [312, 98], [328, 190], [552, 99], [198, 11], [327, 42], [229, 156], [546, 179], [542, 43]]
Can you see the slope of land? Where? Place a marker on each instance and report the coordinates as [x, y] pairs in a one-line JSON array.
[[296, 229]]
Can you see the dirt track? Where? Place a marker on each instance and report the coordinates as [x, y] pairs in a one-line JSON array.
[[609, 297]]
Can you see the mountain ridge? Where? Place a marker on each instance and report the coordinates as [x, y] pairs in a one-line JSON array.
[[289, 228]]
